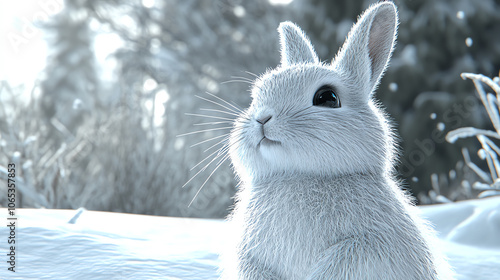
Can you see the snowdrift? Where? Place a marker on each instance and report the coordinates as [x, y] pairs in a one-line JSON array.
[[80, 244]]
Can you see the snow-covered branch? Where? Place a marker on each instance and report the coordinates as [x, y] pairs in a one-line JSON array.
[[489, 151]]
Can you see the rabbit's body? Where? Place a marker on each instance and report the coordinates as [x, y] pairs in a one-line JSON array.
[[314, 155], [347, 227]]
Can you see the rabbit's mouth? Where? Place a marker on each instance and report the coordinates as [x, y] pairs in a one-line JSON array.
[[267, 142]]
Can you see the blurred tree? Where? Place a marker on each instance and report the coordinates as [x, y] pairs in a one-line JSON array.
[[44, 136], [70, 84], [432, 51]]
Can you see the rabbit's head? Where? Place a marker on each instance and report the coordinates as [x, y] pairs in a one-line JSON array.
[[316, 118]]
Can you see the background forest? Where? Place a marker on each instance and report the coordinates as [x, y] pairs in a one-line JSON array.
[[98, 127]]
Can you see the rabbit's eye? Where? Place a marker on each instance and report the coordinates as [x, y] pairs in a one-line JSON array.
[[325, 96]]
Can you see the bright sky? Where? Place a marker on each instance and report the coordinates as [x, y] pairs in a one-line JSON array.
[[22, 46], [23, 49]]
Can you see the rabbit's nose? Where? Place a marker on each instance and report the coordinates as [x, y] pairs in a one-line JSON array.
[[264, 119]]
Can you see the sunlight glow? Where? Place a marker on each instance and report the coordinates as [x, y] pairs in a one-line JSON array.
[[280, 2], [106, 44], [161, 99], [158, 105], [149, 85], [22, 48], [148, 3]]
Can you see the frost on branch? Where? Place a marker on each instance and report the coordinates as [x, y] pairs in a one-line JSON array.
[[489, 150]]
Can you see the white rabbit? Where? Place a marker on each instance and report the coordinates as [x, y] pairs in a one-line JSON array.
[[314, 155]]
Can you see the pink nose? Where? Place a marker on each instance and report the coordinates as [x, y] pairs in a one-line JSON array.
[[264, 119]]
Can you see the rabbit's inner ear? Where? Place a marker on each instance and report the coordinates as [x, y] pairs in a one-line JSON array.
[[295, 46], [381, 40], [368, 46]]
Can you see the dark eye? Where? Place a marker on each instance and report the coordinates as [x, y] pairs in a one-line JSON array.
[[325, 96]]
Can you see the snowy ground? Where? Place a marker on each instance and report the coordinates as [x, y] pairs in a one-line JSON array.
[[101, 245]]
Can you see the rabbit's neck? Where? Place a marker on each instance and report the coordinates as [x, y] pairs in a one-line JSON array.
[[349, 200], [360, 180]]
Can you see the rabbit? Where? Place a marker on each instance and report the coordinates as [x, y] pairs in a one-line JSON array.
[[314, 156]]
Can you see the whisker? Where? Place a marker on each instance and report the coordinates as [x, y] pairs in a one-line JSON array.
[[228, 145], [216, 103], [203, 160], [204, 130], [236, 81], [222, 147], [242, 78], [238, 109], [208, 140], [204, 167], [214, 145], [211, 123], [225, 151], [208, 116], [252, 74], [209, 176], [219, 111]]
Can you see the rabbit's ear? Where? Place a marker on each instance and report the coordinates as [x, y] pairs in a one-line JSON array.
[[295, 46], [369, 45]]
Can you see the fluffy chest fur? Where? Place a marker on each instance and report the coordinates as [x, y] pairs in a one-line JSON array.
[[287, 225]]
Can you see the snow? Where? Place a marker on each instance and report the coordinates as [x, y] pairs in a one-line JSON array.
[[103, 245], [80, 244], [393, 87], [469, 232], [468, 42]]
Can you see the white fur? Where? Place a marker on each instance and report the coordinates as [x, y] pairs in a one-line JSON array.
[[318, 200]]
